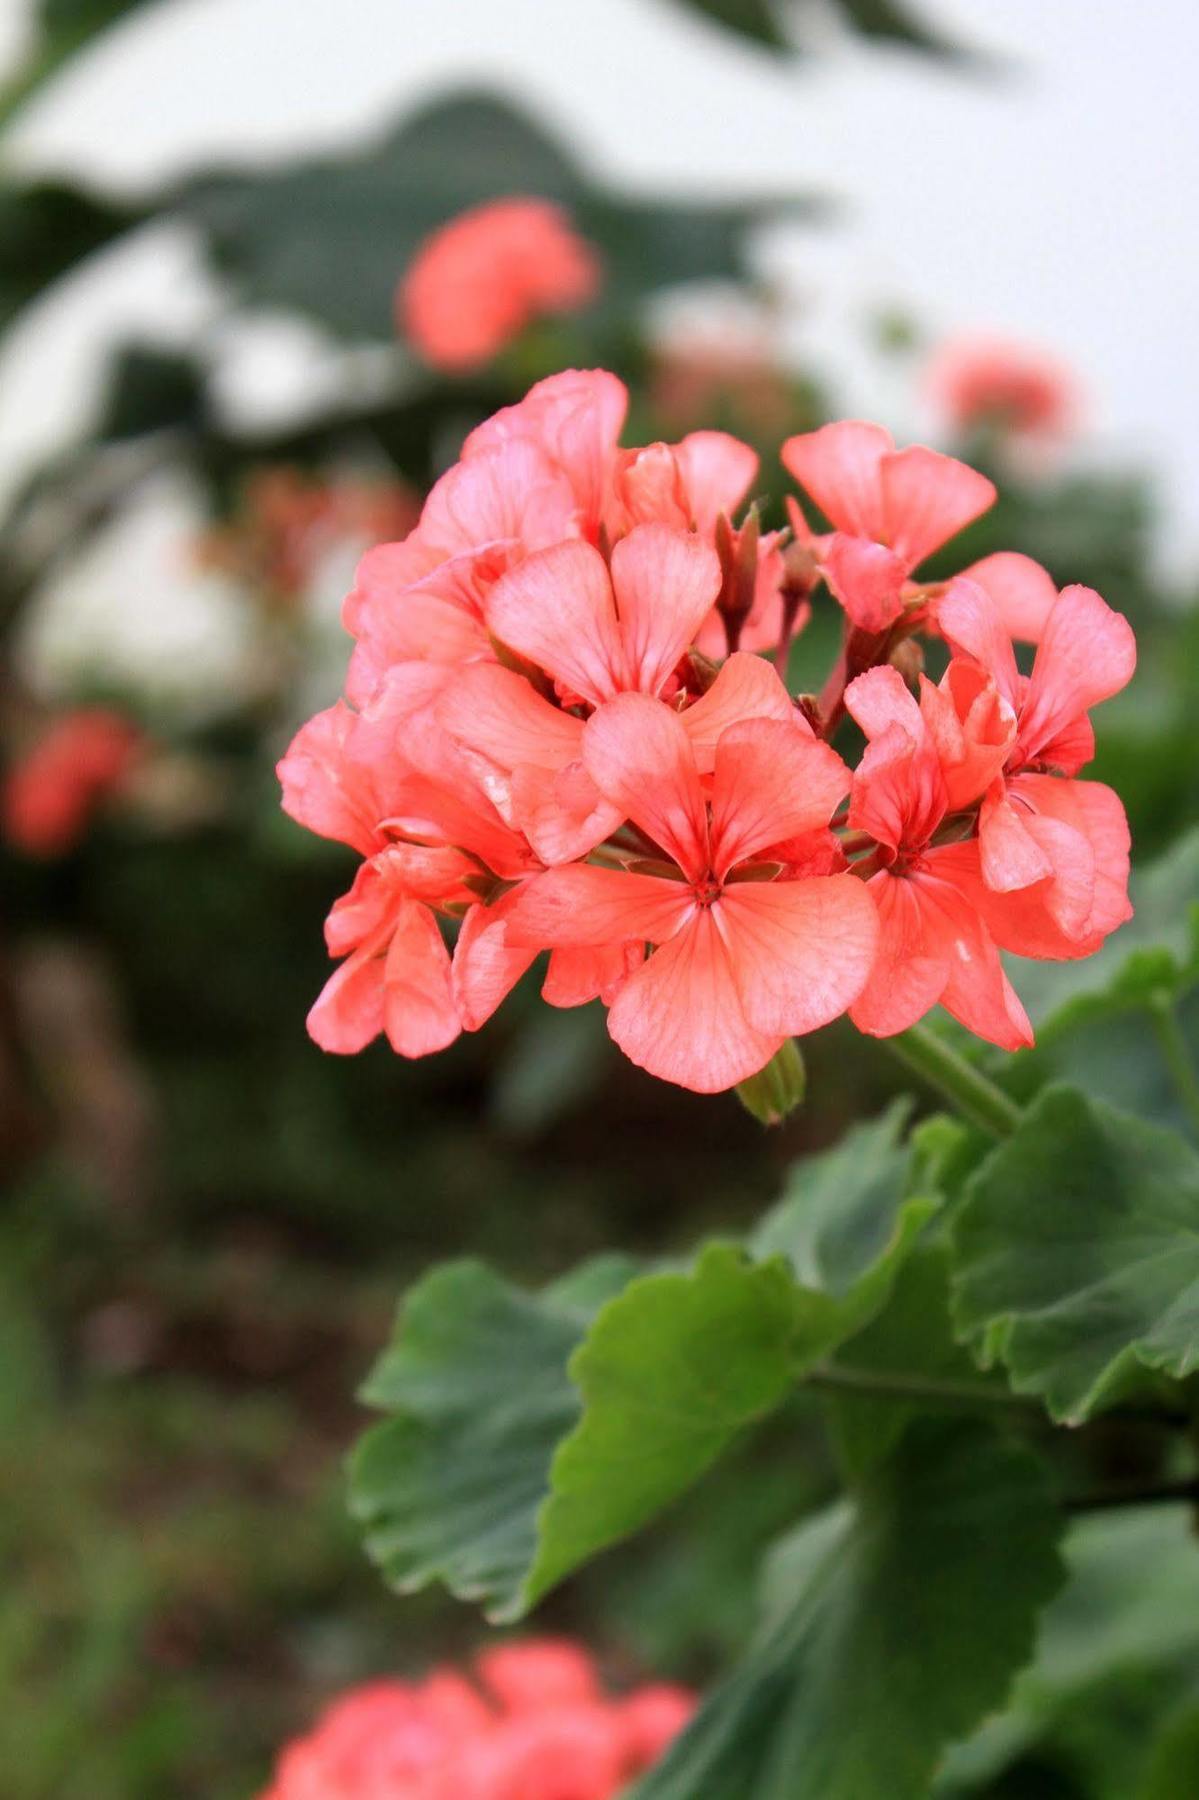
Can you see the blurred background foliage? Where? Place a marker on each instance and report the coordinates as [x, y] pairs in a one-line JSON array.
[[205, 1221]]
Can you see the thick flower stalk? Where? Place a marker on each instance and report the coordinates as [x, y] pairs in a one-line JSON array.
[[530, 1722], [562, 738]]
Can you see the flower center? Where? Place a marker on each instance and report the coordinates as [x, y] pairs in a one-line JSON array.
[[707, 889]]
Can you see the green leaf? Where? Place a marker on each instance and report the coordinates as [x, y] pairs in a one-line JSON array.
[[332, 238], [46, 227], [893, 1623], [891, 23], [1129, 1609], [502, 1469], [911, 1340], [760, 21], [678, 1364], [1173, 1771], [846, 1217], [670, 1372], [754, 19], [1077, 1251], [449, 1487]]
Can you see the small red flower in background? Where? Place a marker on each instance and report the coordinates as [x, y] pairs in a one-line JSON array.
[[475, 284], [51, 794], [1008, 387], [534, 1723]]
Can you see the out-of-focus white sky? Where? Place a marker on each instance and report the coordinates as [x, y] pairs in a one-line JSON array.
[[1055, 203]]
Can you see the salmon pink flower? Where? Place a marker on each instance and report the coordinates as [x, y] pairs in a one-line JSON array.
[[1062, 846], [746, 955], [889, 509], [1009, 387], [425, 597], [394, 786], [933, 944], [535, 1723], [475, 284], [51, 794], [589, 633], [574, 420], [1021, 591]]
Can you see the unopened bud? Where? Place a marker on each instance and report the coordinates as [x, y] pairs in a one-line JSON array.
[[775, 1091], [908, 658], [738, 553], [800, 570]]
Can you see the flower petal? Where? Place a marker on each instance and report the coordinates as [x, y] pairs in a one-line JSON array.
[[839, 465], [978, 993], [1023, 592], [772, 781], [501, 715], [556, 609], [911, 963], [1087, 653], [801, 950], [582, 907], [419, 1013], [640, 757], [665, 581], [927, 499], [881, 698], [486, 967], [717, 471], [561, 812], [867, 578], [575, 977], [747, 687], [680, 1017], [969, 621]]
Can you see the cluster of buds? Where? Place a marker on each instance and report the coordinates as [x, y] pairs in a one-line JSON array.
[[561, 736], [533, 1724]]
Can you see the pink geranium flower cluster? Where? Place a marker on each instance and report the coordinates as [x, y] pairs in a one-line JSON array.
[[534, 1724], [561, 735]]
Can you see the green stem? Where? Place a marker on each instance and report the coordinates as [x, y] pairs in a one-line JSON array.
[[974, 1095], [876, 1385], [1176, 1055]]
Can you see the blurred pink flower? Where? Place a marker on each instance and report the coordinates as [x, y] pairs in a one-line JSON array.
[[534, 1724], [52, 792], [1007, 386], [476, 283]]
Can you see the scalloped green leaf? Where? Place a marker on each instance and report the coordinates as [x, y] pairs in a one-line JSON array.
[[1077, 1254], [893, 1622], [529, 1432], [679, 1364], [448, 1487]]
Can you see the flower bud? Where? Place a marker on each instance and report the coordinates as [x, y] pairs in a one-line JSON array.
[[775, 1091]]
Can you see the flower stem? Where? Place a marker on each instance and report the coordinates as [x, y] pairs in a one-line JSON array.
[[887, 1384], [1176, 1055], [975, 1096], [878, 1384]]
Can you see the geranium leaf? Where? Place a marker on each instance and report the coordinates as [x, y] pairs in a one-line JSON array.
[[1077, 1254], [893, 1622], [529, 1432], [475, 1382]]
